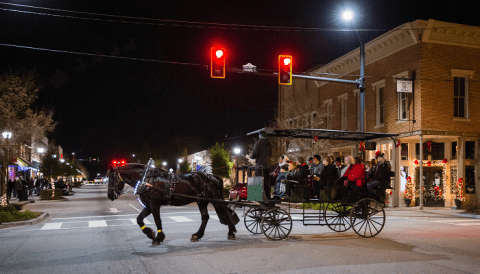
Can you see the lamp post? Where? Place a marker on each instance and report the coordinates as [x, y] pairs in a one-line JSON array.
[[6, 135], [237, 152]]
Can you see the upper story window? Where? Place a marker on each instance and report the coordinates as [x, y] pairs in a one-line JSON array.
[[328, 113], [343, 111], [379, 88], [402, 106], [461, 79], [459, 97]]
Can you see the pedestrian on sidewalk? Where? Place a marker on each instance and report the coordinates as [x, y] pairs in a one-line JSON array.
[[18, 189], [10, 187]]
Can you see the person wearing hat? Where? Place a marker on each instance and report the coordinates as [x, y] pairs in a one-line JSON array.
[[262, 151], [339, 166], [379, 174]]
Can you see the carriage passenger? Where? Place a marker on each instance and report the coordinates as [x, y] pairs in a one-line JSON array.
[[327, 177], [379, 174], [354, 175]]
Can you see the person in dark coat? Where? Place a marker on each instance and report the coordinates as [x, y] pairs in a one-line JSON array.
[[18, 189], [10, 187], [262, 151], [328, 176], [379, 174], [339, 166]]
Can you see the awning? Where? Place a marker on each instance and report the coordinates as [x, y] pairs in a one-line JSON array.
[[328, 134]]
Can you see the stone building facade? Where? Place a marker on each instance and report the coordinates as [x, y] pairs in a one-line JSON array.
[[440, 116]]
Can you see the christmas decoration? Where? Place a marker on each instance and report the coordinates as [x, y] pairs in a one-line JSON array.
[[361, 148], [398, 143], [409, 189], [428, 146], [458, 190]]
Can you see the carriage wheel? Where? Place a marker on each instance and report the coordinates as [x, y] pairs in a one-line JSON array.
[[367, 217], [252, 220], [276, 224], [337, 216]]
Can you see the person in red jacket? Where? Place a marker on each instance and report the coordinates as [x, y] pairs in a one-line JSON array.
[[353, 176]]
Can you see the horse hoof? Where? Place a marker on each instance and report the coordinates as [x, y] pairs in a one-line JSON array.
[[156, 243], [194, 239], [231, 237]]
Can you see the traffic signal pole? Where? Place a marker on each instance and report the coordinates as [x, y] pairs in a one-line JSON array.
[[360, 82]]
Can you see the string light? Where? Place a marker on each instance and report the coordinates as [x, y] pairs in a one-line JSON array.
[[428, 163], [4, 200]]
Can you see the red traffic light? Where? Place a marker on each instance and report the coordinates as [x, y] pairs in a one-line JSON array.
[[285, 69], [118, 163], [217, 62]]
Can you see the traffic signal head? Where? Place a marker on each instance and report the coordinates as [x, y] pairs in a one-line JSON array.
[[285, 69], [217, 62]]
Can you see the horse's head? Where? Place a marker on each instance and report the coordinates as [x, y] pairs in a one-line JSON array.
[[119, 176]]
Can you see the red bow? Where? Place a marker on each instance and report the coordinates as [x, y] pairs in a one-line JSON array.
[[398, 143], [444, 161], [362, 146], [416, 162]]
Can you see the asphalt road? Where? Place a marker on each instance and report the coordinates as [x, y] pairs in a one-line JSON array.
[[90, 234]]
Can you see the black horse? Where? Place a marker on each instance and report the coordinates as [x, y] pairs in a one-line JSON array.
[[163, 188]]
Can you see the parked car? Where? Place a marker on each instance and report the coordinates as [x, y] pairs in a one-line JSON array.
[[99, 180], [61, 184], [238, 192]]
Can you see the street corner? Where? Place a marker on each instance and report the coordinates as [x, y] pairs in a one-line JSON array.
[[35, 221]]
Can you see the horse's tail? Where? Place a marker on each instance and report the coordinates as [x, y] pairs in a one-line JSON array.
[[225, 214]]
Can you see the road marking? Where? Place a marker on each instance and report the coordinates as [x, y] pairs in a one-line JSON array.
[[134, 207], [181, 219], [104, 216], [101, 223], [214, 217], [113, 210], [49, 226], [455, 221], [134, 221], [468, 224]]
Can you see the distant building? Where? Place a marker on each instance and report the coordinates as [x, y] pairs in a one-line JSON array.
[[200, 161], [442, 60]]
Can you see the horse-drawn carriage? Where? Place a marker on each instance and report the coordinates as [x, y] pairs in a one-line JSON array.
[[273, 218], [359, 212]]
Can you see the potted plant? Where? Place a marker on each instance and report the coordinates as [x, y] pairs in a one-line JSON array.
[[458, 195], [408, 195]]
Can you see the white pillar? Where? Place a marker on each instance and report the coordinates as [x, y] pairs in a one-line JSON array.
[[420, 162]]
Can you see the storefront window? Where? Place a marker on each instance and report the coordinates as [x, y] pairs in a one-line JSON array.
[[404, 151], [469, 179], [438, 151], [469, 150], [454, 150]]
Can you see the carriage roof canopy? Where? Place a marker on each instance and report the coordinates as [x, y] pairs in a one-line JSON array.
[[324, 134]]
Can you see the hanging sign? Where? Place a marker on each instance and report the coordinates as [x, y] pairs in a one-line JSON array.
[[404, 85]]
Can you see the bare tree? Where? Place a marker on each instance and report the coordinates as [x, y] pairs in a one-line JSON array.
[[299, 116], [18, 91]]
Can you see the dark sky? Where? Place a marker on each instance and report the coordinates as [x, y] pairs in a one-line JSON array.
[[108, 107]]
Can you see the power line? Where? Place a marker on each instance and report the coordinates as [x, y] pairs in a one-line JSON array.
[[194, 24]]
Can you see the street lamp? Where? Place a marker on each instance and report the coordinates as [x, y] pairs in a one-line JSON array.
[[237, 150], [180, 160], [347, 15], [164, 163]]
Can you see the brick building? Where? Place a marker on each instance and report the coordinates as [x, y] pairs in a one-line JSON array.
[[440, 116]]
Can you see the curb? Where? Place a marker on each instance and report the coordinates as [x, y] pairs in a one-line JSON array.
[[35, 221]]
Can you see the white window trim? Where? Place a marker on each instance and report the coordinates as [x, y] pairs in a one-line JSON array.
[[402, 75], [329, 120], [468, 75], [343, 110], [376, 87]]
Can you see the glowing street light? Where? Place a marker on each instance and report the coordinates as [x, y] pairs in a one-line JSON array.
[[40, 150], [237, 150], [347, 15], [164, 163], [180, 160], [7, 135]]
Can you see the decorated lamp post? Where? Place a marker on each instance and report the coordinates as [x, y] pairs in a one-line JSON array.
[[6, 136]]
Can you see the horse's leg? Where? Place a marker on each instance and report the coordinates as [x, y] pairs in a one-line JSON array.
[[146, 230], [158, 222], [222, 212], [202, 206]]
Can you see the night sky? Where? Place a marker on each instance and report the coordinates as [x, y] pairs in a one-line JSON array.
[[111, 107]]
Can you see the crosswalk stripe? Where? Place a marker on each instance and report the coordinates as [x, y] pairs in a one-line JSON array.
[[455, 221], [467, 224], [101, 223], [214, 217], [134, 221], [181, 219], [49, 226]]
